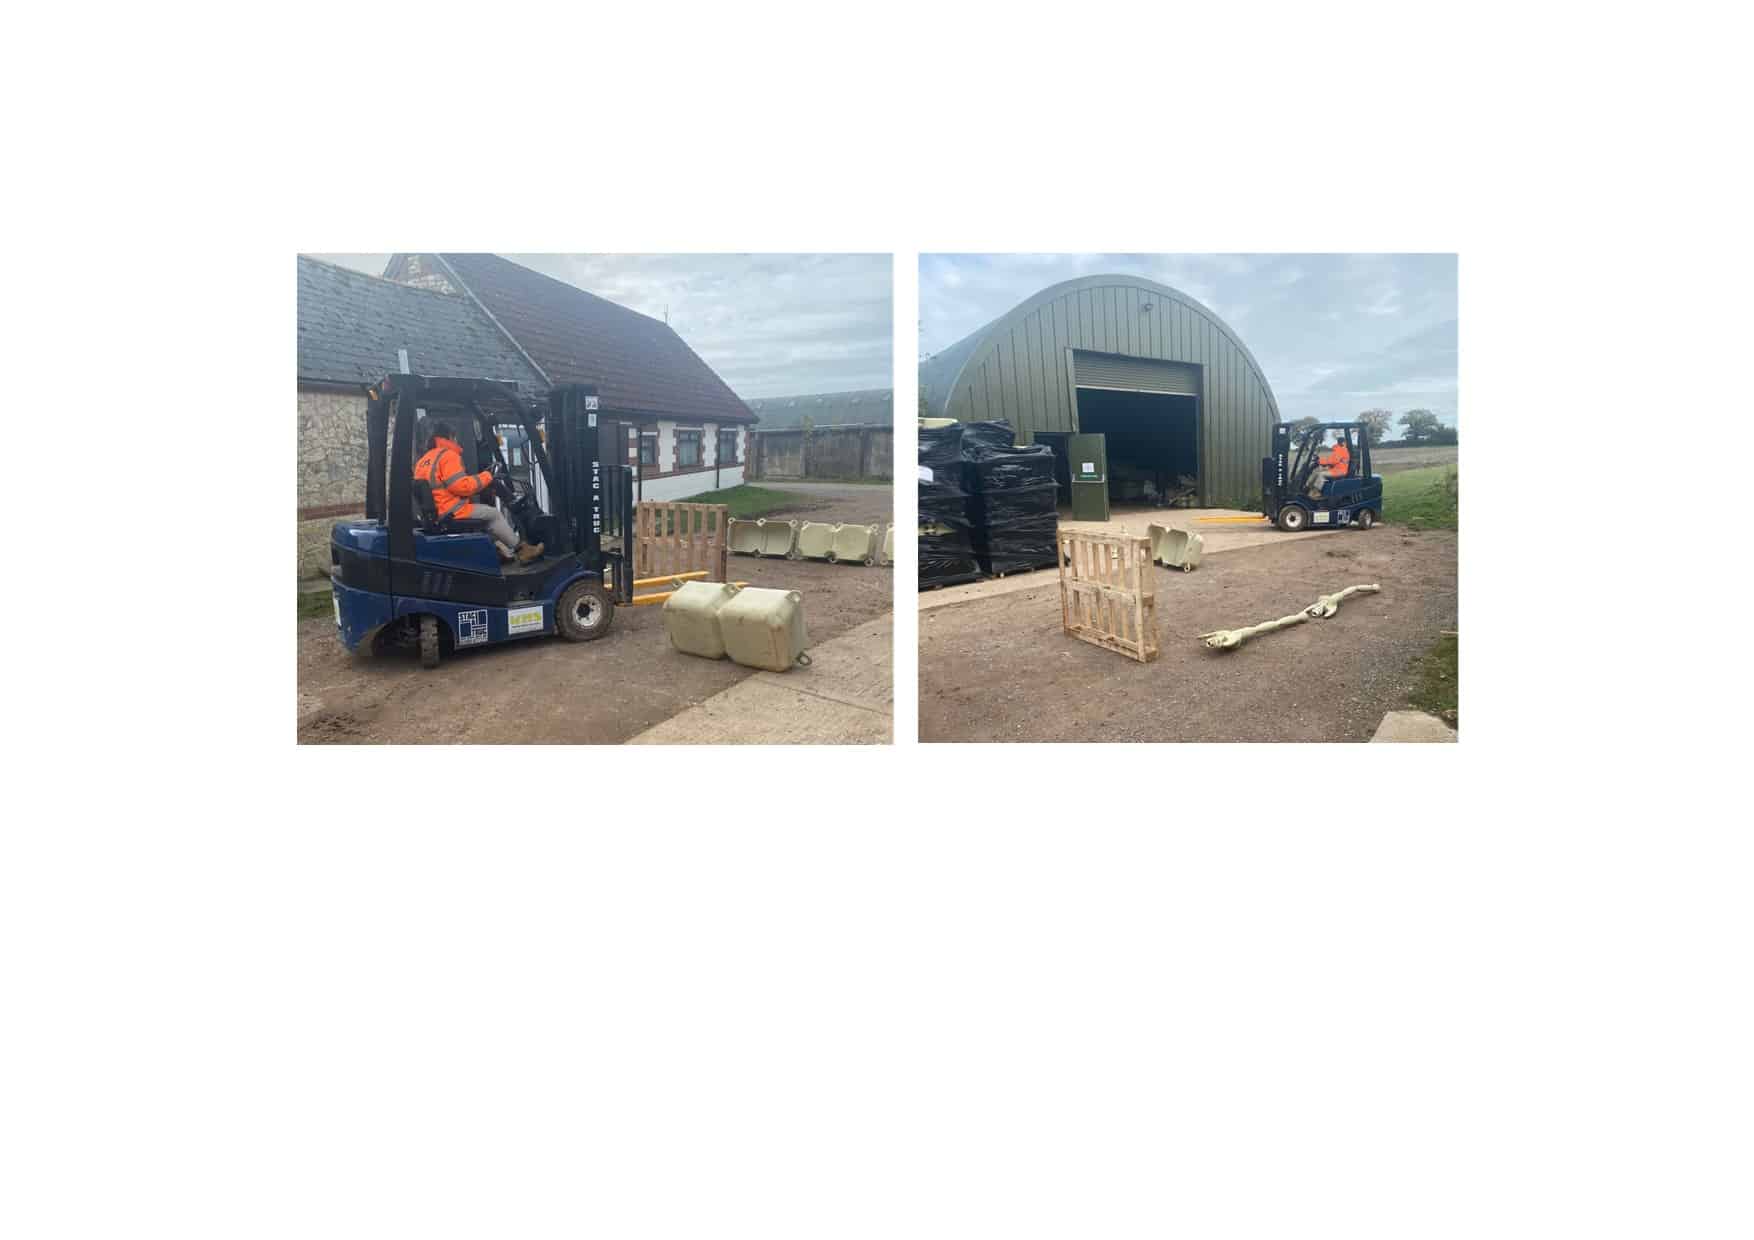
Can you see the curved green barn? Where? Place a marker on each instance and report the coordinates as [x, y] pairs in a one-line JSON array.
[[1171, 386]]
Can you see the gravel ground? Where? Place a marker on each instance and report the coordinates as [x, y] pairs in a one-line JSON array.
[[848, 503], [546, 690], [1002, 670]]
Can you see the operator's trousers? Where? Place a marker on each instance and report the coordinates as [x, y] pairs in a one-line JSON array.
[[497, 525]]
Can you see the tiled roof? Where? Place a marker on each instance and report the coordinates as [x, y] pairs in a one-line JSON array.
[[351, 324], [865, 407], [639, 364]]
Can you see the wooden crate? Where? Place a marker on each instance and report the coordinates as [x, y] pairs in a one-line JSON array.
[[680, 538], [1108, 594]]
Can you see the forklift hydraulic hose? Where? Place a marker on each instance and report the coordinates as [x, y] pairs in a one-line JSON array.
[[1321, 609], [1328, 604]]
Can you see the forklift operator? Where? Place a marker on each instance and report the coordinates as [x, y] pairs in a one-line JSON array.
[[1337, 461], [452, 487]]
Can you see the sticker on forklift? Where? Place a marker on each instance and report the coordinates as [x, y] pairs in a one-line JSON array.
[[336, 599], [1319, 518], [1089, 467], [471, 628], [925, 473], [591, 404], [523, 620]]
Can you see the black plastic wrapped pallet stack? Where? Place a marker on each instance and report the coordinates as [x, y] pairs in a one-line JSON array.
[[946, 537], [1013, 499]]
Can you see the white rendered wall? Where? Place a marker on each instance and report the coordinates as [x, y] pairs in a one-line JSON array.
[[684, 485]]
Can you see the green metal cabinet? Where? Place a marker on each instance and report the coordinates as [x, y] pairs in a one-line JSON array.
[[1089, 462]]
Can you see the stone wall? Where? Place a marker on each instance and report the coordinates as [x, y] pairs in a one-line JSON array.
[[331, 449], [313, 543]]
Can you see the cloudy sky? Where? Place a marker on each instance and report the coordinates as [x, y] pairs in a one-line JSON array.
[[1336, 333], [770, 324]]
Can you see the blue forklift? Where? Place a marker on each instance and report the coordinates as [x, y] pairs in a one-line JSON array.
[[1354, 501], [405, 577]]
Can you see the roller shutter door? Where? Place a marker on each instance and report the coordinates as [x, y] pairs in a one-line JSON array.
[[1134, 374]]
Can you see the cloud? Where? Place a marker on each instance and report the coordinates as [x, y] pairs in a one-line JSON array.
[[769, 324]]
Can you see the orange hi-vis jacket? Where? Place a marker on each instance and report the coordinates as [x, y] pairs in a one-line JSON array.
[[451, 486], [1338, 462]]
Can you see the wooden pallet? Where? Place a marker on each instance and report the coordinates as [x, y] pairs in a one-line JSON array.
[[1108, 592], [679, 538], [1031, 568]]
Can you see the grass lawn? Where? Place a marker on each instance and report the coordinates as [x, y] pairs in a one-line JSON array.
[[1421, 499], [314, 603], [746, 502], [1436, 689]]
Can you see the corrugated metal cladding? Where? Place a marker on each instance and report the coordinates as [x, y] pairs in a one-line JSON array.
[[1022, 367], [1133, 374]]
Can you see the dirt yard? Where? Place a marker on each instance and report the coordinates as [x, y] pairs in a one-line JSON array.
[[549, 691], [853, 503], [1000, 669]]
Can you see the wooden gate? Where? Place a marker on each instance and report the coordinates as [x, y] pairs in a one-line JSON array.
[[679, 538], [1108, 593]]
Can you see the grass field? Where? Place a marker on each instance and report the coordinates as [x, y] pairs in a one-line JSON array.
[[746, 502], [1421, 499], [314, 603], [1438, 671], [1393, 460], [1426, 499]]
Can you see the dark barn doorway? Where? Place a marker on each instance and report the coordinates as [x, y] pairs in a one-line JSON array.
[[1153, 442], [1062, 469]]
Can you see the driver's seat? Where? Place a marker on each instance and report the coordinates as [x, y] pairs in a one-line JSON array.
[[426, 514]]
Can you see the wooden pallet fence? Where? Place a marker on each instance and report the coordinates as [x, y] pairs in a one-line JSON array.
[[680, 538], [1108, 593]]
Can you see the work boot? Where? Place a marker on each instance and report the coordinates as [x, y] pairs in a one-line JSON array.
[[528, 552]]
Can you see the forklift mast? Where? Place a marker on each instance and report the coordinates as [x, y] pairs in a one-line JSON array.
[[577, 486]]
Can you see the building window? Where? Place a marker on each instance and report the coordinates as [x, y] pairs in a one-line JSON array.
[[648, 448], [687, 449], [728, 447]]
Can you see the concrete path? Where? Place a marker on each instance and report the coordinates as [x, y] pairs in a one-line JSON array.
[[1218, 538], [1415, 726], [845, 697]]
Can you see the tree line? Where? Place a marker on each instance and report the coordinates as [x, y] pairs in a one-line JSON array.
[[1419, 427]]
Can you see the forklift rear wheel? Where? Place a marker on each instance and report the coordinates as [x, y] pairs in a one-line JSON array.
[[429, 641], [584, 612], [1366, 519], [1292, 518]]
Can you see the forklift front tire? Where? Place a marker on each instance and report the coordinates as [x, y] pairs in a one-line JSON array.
[[1366, 519], [429, 641], [1292, 519], [584, 612]]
